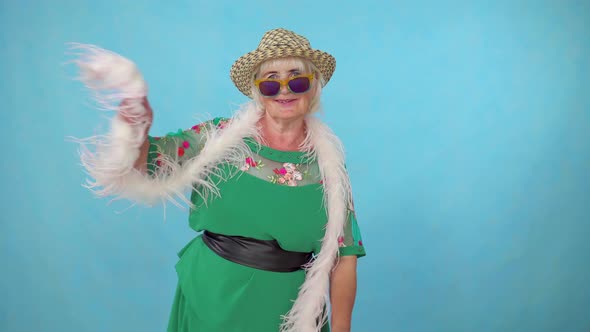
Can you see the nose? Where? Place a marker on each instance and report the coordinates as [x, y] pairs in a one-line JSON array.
[[285, 89]]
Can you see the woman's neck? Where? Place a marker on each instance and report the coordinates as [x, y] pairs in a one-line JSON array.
[[282, 135]]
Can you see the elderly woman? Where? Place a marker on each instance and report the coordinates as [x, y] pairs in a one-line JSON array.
[[269, 191]]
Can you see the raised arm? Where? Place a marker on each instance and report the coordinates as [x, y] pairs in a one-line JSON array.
[[117, 161], [126, 162], [143, 118]]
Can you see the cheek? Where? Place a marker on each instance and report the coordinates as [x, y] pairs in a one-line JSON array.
[[306, 102], [266, 103]]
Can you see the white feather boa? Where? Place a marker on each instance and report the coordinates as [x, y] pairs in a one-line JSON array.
[[111, 165]]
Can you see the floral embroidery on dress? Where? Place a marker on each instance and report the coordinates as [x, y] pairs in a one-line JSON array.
[[197, 128], [205, 126], [183, 146], [222, 124], [287, 175], [164, 164], [251, 163]]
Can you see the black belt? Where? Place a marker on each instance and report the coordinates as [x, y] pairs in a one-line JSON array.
[[260, 254]]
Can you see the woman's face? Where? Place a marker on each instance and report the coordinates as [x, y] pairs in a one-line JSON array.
[[286, 105]]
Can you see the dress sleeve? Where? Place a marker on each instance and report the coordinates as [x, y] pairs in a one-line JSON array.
[[175, 148], [351, 243]]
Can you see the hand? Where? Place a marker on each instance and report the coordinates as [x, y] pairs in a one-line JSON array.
[[111, 77], [105, 70], [137, 112]]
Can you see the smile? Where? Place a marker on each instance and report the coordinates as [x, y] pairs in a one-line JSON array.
[[285, 101]]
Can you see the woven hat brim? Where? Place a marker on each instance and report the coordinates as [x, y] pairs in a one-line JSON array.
[[242, 70]]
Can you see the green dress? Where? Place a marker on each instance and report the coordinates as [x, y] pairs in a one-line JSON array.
[[274, 195]]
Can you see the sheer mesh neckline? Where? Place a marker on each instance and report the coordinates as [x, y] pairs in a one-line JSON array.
[[296, 157]]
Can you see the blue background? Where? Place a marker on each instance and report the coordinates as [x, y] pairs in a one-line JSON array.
[[467, 128]]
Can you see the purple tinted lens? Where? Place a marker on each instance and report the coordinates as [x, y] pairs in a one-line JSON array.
[[299, 85], [269, 88]]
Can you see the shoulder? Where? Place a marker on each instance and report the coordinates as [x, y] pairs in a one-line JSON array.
[[215, 123], [220, 122], [323, 138]]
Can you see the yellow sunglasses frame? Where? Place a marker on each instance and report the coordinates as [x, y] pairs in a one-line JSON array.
[[284, 83]]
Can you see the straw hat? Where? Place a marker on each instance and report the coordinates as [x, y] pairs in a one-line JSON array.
[[279, 43]]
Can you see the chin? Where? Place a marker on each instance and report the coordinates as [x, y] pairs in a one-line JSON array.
[[286, 114]]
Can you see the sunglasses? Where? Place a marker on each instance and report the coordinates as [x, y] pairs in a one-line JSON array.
[[271, 87]]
